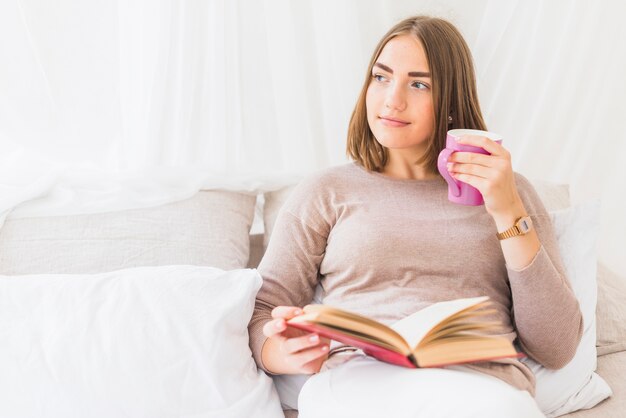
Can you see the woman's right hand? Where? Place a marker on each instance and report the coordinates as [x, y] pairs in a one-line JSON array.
[[290, 350]]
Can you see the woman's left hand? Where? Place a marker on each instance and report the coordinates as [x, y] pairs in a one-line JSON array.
[[491, 174]]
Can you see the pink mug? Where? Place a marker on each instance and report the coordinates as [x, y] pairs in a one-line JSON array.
[[459, 192]]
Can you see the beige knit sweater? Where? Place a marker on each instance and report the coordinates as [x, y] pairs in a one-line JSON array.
[[386, 247]]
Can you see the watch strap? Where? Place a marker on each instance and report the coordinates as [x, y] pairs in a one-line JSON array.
[[521, 227]]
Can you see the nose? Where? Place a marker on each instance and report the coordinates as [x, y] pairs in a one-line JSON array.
[[395, 98]]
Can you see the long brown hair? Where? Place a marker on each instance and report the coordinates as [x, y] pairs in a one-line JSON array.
[[453, 89]]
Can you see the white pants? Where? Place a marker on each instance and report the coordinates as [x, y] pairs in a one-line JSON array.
[[364, 387]]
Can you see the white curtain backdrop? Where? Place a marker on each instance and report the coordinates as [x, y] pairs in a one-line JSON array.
[[106, 105]]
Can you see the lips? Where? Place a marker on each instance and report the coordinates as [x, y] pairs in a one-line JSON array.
[[393, 122]]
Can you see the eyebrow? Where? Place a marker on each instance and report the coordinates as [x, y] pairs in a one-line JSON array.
[[411, 73]]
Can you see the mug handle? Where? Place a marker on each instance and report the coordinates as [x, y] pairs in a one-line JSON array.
[[442, 162]]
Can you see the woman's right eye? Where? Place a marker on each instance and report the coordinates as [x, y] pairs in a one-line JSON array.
[[378, 77]]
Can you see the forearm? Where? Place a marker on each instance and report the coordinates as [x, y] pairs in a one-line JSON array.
[[546, 312]]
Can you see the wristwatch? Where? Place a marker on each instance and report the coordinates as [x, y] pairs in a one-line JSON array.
[[522, 226]]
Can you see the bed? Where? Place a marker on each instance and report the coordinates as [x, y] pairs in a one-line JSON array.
[[50, 259]]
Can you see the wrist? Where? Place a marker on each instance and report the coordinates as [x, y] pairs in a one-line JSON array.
[[506, 219], [269, 358]]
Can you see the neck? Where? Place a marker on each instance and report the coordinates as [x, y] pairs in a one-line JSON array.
[[404, 167]]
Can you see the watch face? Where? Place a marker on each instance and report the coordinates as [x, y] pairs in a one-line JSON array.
[[524, 225]]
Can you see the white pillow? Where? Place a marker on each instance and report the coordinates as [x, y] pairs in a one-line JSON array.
[[575, 386], [144, 342]]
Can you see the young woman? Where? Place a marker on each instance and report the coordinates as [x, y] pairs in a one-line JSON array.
[[381, 238]]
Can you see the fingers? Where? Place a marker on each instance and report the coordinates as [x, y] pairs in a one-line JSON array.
[[302, 358], [487, 144], [303, 353], [480, 183], [470, 158], [280, 315], [274, 327], [474, 169], [479, 165], [479, 159], [294, 345], [286, 312]]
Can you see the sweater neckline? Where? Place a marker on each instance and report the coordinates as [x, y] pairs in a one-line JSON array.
[[424, 182]]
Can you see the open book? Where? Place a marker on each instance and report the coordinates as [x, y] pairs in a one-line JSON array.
[[441, 334]]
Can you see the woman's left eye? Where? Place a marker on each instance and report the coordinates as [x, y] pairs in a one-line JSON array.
[[419, 85]]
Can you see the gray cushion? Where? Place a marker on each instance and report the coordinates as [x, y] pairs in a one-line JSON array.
[[610, 312], [273, 201], [209, 229], [553, 196]]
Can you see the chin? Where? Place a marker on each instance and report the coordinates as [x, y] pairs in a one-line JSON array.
[[397, 143]]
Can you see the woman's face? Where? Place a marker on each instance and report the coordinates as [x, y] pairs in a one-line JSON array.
[[399, 99]]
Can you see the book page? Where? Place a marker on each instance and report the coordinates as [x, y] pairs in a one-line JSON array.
[[415, 326], [348, 322]]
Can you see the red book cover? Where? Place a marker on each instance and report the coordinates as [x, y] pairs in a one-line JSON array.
[[368, 348]]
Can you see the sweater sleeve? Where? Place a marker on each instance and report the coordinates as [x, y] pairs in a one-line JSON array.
[[545, 310], [290, 265]]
